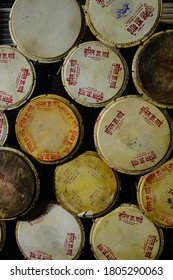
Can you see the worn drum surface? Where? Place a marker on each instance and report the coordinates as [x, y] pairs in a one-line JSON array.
[[4, 128], [155, 195], [126, 234], [46, 32], [123, 23], [2, 234], [54, 235], [17, 197], [93, 74], [49, 128], [126, 135], [86, 186], [152, 69], [18, 78]]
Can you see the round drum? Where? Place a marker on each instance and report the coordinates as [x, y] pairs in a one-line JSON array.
[[155, 195], [18, 78], [126, 135], [123, 23], [152, 69], [49, 128], [43, 31], [93, 74], [54, 235], [86, 186], [125, 234], [2, 234], [4, 127], [17, 197]]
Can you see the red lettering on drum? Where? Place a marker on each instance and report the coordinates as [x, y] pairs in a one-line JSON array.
[[143, 158], [74, 72], [160, 174], [91, 93], [130, 219], [69, 243], [6, 57], [101, 2], [106, 251], [26, 117], [150, 198], [39, 255], [115, 123], [49, 156], [5, 97], [21, 79], [113, 75], [149, 245], [95, 54], [149, 117]]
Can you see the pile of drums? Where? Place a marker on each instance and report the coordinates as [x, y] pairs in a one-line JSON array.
[[86, 133]]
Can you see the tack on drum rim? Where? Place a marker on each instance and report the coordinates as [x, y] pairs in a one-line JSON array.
[[86, 186], [110, 235], [18, 78], [17, 197], [45, 33], [93, 74], [49, 128], [4, 128], [123, 24], [56, 234], [2, 234], [152, 69], [155, 195], [126, 135]]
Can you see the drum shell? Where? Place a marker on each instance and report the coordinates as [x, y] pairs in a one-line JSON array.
[[4, 128], [2, 234]]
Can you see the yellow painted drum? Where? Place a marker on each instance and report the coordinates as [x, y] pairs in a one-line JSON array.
[[152, 69], [4, 128], [2, 234], [123, 23], [125, 234], [54, 235], [93, 74], [155, 195], [86, 185], [19, 184], [49, 128], [46, 32], [18, 78], [132, 135]]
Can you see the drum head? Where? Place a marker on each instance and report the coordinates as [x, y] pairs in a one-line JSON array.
[[4, 127]]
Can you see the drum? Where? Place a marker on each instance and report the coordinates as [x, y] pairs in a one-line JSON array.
[[126, 135], [2, 234], [18, 78], [123, 23], [86, 185], [49, 128], [54, 235], [155, 195], [126, 234], [46, 32], [152, 69], [93, 74], [4, 128], [17, 197]]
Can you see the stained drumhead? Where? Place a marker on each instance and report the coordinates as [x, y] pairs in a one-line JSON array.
[[121, 23], [45, 32], [125, 234], [93, 74], [54, 235], [4, 127], [126, 135], [86, 185], [152, 69], [18, 78]]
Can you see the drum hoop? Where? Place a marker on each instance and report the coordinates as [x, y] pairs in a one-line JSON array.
[[3, 234], [5, 122]]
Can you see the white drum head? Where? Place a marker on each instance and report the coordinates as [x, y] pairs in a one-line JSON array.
[[45, 30]]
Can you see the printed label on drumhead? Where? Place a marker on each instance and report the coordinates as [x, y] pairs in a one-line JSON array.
[[127, 132], [127, 221], [155, 194], [17, 78], [133, 21], [89, 64]]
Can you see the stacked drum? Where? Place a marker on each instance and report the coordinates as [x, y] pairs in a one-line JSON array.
[[86, 133]]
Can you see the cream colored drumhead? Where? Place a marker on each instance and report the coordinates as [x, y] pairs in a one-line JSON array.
[[2, 234], [4, 127], [93, 74], [132, 135], [152, 69], [49, 128], [55, 235], [18, 78], [19, 184], [123, 23], [86, 186], [155, 195], [45, 30], [125, 234]]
